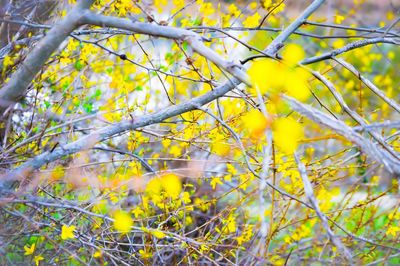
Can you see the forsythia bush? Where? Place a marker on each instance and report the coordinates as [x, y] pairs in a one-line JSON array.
[[200, 132]]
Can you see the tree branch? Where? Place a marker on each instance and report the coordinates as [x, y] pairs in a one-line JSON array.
[[369, 84], [86, 142], [193, 39], [356, 117], [33, 63], [314, 203], [344, 130], [118, 128], [348, 47]]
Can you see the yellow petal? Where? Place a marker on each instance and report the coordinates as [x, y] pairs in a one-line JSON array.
[[293, 53], [158, 234], [287, 133], [172, 185], [29, 250], [37, 259], [256, 123], [67, 232], [122, 221]]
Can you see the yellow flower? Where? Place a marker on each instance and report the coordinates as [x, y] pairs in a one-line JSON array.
[[293, 53], [255, 122], [172, 185], [160, 4], [57, 173], [233, 10], [178, 4], [339, 19], [394, 215], [231, 169], [175, 151], [277, 260], [37, 259], [166, 143], [246, 235], [266, 74], [207, 9], [144, 254], [390, 15], [214, 181], [67, 232], [266, 3], [169, 183], [392, 230], [220, 148], [154, 187], [29, 250], [252, 21], [374, 180], [7, 61], [253, 5], [137, 211], [296, 84], [287, 133], [122, 221], [339, 43], [275, 77], [231, 224], [186, 197], [158, 234]]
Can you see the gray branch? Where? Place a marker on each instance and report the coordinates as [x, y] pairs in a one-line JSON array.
[[193, 39], [314, 203], [20, 79], [276, 44], [392, 155], [369, 84], [386, 124], [348, 47], [90, 140], [368, 147]]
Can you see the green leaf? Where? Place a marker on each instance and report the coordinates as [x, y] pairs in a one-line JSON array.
[[65, 86], [97, 94], [78, 65], [48, 246], [109, 70], [168, 56], [185, 45], [88, 107], [380, 222], [197, 21], [56, 215]]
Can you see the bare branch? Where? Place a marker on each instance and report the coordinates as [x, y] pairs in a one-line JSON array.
[[386, 124], [314, 203], [369, 84], [342, 129], [360, 29], [118, 128], [84, 143], [278, 41], [193, 39], [348, 47], [20, 79], [354, 114]]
